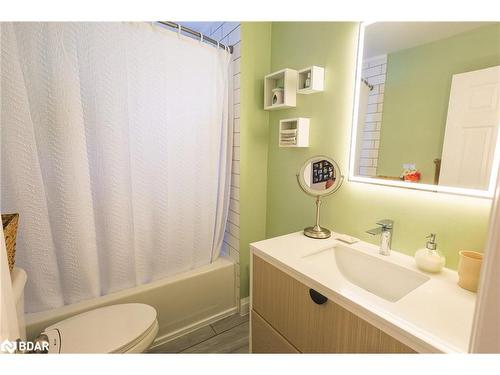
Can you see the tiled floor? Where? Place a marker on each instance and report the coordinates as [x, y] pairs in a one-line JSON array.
[[229, 335]]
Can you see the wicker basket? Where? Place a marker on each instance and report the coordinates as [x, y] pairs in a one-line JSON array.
[[9, 223]]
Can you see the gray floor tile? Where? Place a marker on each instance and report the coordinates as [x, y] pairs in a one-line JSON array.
[[243, 350], [229, 322], [230, 341], [186, 341]]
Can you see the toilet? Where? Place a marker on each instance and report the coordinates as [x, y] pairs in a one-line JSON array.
[[121, 328]]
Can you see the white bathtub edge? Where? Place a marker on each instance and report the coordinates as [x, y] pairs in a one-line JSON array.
[[204, 306]]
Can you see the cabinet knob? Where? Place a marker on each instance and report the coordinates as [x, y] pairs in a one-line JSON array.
[[317, 297]]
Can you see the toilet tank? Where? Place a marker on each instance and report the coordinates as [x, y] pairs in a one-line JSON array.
[[19, 279]]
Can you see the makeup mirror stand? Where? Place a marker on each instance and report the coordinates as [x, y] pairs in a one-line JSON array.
[[305, 180], [317, 231]]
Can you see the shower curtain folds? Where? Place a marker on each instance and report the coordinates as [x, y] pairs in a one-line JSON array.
[[116, 152]]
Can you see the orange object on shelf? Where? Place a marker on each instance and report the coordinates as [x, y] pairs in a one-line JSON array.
[[413, 176]]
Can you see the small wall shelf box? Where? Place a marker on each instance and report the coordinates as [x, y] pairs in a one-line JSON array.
[[286, 98], [311, 80], [294, 132]]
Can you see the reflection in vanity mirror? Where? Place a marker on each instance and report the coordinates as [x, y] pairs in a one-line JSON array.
[[319, 176], [428, 106]]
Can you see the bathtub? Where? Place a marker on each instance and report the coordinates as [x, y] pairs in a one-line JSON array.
[[184, 302]]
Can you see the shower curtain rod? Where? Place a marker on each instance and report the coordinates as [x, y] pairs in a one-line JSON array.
[[196, 34]]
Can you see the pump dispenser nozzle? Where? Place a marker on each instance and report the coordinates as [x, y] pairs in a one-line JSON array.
[[431, 244], [428, 258]]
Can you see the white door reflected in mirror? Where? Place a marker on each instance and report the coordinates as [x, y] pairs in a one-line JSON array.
[[471, 129]]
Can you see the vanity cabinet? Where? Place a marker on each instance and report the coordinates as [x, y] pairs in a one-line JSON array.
[[266, 339], [283, 306]]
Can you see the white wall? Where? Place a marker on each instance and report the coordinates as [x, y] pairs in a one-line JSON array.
[[485, 336], [374, 71]]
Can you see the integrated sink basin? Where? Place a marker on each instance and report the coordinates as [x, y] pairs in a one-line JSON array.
[[389, 292], [382, 278]]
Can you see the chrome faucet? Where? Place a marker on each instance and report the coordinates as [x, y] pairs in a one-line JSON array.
[[385, 231]]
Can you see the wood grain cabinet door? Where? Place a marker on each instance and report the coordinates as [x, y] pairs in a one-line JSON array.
[[265, 339], [286, 304]]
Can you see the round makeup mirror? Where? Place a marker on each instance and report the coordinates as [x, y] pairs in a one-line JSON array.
[[319, 176]]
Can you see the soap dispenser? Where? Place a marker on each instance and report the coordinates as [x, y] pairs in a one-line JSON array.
[[429, 259]]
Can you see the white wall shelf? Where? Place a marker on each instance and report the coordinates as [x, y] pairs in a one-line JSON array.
[[294, 132], [316, 76], [286, 79]]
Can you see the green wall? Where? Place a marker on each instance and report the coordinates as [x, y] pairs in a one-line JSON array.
[[255, 64], [460, 222], [417, 91]]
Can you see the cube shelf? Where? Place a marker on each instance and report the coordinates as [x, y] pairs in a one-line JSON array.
[[294, 132], [274, 98], [311, 80]]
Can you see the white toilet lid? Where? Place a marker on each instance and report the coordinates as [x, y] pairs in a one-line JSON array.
[[105, 330]]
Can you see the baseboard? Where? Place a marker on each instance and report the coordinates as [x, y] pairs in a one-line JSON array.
[[244, 306], [160, 340]]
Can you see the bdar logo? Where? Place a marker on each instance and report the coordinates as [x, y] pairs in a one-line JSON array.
[[24, 347], [8, 346]]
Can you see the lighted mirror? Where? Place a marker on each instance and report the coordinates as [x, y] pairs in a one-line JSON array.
[[427, 106], [319, 176]]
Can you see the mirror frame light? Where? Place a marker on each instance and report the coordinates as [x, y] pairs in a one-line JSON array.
[[401, 184]]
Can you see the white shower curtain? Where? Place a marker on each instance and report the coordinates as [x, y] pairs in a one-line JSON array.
[[116, 151]]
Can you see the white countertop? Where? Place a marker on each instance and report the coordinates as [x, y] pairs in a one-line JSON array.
[[435, 317]]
